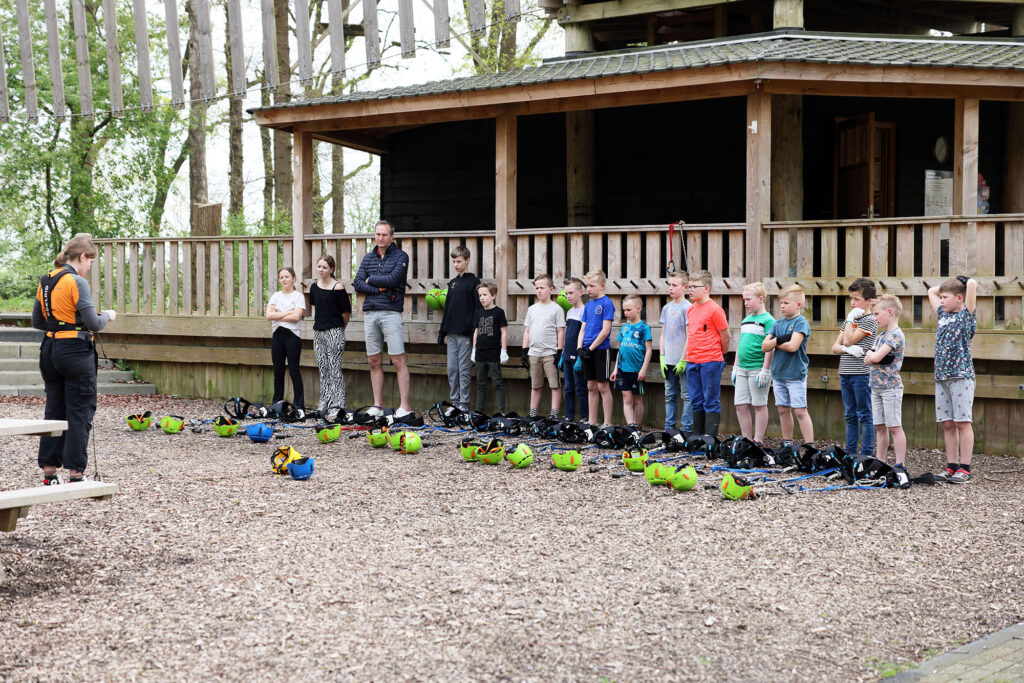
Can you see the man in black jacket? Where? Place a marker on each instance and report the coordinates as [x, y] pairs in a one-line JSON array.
[[460, 307], [382, 278]]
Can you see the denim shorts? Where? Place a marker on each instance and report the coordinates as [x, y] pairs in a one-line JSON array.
[[380, 327], [790, 393]]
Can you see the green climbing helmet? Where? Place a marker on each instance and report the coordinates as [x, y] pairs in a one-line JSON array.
[[328, 433], [569, 461], [657, 473], [172, 424], [395, 440], [225, 426], [521, 457], [434, 299], [470, 449], [377, 438], [635, 459], [409, 442], [684, 478], [442, 296], [737, 488], [562, 301], [492, 453], [140, 421]]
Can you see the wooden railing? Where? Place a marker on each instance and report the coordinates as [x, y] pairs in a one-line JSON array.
[[233, 276]]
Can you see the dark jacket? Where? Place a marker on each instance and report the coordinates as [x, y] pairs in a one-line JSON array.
[[460, 305], [382, 279]]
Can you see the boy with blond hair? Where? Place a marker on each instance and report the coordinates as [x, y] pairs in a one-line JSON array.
[[543, 337], [672, 344], [751, 373], [884, 362], [788, 338], [595, 346], [457, 324], [955, 301], [633, 360], [575, 382], [707, 340]]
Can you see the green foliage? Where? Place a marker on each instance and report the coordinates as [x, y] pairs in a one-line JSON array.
[[501, 47]]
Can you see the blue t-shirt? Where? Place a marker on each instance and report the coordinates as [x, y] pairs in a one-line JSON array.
[[673, 327], [790, 365], [633, 338], [594, 314]]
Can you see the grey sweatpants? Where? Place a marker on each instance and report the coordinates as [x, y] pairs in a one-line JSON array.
[[460, 369]]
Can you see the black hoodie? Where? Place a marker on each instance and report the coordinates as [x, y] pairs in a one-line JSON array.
[[460, 305]]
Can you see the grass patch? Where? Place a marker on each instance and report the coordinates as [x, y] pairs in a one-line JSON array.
[[17, 304], [886, 669]]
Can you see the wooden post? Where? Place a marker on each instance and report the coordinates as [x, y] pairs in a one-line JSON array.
[[237, 86], [477, 17], [205, 50], [302, 203], [303, 43], [505, 174], [1014, 178], [579, 172], [442, 27], [406, 29], [53, 50], [28, 68], [82, 58], [578, 38], [174, 54], [142, 55], [269, 44], [336, 29], [113, 57], [371, 34], [721, 21], [788, 14], [759, 182], [206, 220], [787, 202], [962, 239]]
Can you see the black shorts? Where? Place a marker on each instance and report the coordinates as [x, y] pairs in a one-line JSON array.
[[627, 381], [598, 366]]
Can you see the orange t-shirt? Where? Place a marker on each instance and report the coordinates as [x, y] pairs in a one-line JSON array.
[[704, 324]]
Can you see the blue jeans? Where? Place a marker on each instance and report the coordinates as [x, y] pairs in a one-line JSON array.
[[675, 388], [857, 405], [575, 390], [704, 382]]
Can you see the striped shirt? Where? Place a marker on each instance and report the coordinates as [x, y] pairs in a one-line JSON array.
[[851, 365]]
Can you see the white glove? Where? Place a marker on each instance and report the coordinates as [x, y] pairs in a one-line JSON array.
[[764, 377], [855, 351], [855, 314], [472, 356], [733, 376], [503, 357]]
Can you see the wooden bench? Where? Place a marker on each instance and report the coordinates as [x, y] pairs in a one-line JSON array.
[[15, 504], [14, 427]]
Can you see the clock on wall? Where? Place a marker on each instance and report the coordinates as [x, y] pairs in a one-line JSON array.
[[941, 149]]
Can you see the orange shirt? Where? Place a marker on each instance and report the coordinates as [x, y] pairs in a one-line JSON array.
[[704, 324]]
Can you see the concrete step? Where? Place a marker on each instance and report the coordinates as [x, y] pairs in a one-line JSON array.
[[19, 349], [33, 378], [10, 364], [11, 390], [20, 334]]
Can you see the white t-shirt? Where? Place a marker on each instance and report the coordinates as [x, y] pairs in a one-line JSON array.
[[544, 321], [284, 302]]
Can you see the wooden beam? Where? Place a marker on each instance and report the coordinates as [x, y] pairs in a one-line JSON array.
[[28, 69], [364, 143], [579, 171], [113, 57], [372, 34], [174, 54], [477, 17], [613, 9], [53, 51], [142, 55], [237, 85], [303, 41], [759, 182], [205, 64], [505, 181], [787, 203], [788, 14], [270, 75], [406, 29], [963, 238], [82, 58], [579, 38], [442, 25], [302, 204], [336, 29]]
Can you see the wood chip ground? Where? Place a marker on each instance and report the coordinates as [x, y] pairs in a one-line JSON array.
[[422, 567]]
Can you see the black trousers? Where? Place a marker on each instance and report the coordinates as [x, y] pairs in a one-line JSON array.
[[286, 345], [68, 367]]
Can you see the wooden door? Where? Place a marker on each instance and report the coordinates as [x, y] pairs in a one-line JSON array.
[[853, 195]]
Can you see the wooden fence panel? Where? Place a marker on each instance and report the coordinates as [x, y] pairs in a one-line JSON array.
[[653, 302], [213, 258], [189, 306], [829, 270], [522, 274], [931, 252], [200, 278], [258, 280], [174, 292], [487, 249], [160, 294], [147, 277], [228, 299], [423, 273], [715, 262], [360, 254], [985, 269], [133, 276], [737, 266], [905, 272], [558, 264], [108, 275], [243, 278], [122, 275], [1013, 239]]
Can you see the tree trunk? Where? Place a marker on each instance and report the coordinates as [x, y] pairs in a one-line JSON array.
[[236, 181], [268, 159], [282, 139], [197, 187]]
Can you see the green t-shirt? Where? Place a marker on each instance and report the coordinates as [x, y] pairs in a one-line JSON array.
[[753, 330]]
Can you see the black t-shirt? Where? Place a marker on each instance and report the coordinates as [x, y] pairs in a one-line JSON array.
[[328, 305], [488, 325]]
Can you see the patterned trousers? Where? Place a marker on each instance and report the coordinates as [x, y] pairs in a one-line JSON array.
[[329, 346]]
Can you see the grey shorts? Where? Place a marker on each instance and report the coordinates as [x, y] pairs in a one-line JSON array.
[[887, 407], [380, 327], [790, 393], [541, 368], [954, 399], [747, 391]]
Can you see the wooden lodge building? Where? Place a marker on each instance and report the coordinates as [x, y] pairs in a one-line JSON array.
[[791, 149]]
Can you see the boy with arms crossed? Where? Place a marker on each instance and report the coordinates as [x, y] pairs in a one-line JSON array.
[[788, 338], [884, 361]]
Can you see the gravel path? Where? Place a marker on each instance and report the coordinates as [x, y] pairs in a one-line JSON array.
[[391, 567]]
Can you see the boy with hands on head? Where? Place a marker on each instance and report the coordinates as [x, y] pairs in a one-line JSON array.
[[955, 303], [633, 360], [751, 373], [788, 338], [672, 344]]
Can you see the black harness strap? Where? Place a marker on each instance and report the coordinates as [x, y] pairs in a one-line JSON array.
[[47, 284]]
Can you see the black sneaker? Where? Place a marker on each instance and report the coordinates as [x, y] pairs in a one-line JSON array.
[[51, 479], [961, 477], [944, 476]]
